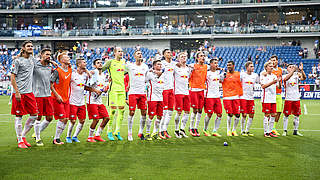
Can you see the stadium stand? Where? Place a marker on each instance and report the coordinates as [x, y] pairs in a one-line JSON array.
[[286, 54]]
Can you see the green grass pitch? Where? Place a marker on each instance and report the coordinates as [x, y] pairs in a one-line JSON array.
[[191, 158]]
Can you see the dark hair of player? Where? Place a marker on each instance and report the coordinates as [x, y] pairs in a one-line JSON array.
[[94, 61], [155, 62], [232, 62], [212, 60], [26, 42], [274, 56], [44, 50], [165, 51]]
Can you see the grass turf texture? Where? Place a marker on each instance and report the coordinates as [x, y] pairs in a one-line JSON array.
[[256, 157]]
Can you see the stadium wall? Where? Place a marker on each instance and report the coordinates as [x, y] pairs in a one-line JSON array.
[[307, 42], [151, 44]]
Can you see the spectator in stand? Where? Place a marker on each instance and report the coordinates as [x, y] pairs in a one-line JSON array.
[[314, 69], [294, 43], [249, 58], [301, 53], [257, 58], [299, 43], [305, 53]]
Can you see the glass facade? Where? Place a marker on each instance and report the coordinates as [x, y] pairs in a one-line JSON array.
[[175, 22], [38, 4]]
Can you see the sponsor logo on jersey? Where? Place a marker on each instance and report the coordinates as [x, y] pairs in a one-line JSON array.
[[249, 82], [66, 77], [185, 77], [160, 82], [80, 85], [139, 74], [170, 69], [216, 79], [293, 83], [120, 70]]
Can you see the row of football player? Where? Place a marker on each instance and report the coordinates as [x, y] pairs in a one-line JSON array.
[[40, 90]]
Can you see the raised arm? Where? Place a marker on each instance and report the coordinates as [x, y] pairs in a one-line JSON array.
[[106, 65], [302, 74]]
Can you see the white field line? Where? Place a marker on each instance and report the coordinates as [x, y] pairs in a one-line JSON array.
[[305, 109]]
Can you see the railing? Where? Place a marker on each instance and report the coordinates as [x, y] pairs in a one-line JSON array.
[[162, 31], [17, 4]]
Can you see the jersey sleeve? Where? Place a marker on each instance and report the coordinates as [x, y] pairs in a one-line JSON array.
[[148, 76], [241, 76], [106, 65], [54, 77], [257, 81], [15, 67], [262, 80]]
